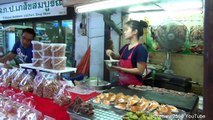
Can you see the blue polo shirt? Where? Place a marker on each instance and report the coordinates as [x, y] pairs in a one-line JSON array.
[[24, 55]]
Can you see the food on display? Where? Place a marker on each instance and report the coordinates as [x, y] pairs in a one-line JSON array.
[[134, 103], [79, 106], [38, 84], [37, 45], [18, 97], [58, 50], [29, 101], [37, 54], [140, 116], [46, 48], [59, 63], [63, 97], [51, 88], [47, 62], [37, 62], [160, 90]]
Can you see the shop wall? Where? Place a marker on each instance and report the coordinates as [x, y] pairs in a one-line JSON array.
[[184, 65], [95, 38]]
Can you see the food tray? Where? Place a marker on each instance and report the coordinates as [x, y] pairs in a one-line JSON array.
[[180, 115], [99, 114]]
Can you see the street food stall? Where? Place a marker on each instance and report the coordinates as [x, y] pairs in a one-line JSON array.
[[167, 92]]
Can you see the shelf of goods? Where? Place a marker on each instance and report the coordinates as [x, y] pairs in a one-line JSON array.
[[66, 70]]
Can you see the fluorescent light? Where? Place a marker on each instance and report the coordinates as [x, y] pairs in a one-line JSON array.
[[107, 4], [144, 8]]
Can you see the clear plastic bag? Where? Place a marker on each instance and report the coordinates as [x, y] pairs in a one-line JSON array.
[[26, 84], [18, 78], [33, 114], [48, 118], [51, 86], [8, 77], [29, 101], [63, 97], [18, 97], [38, 84], [22, 111], [8, 93]]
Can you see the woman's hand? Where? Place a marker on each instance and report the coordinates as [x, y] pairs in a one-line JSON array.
[[109, 52]]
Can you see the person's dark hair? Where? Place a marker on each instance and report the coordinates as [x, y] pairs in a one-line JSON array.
[[137, 25], [29, 30]]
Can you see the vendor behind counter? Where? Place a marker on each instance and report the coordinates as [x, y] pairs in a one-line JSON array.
[[22, 50]]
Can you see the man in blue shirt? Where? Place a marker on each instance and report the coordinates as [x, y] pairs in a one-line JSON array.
[[22, 50]]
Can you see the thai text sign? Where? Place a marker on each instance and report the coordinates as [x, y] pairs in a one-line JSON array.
[[32, 9]]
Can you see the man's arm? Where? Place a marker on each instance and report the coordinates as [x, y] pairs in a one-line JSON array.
[[7, 57]]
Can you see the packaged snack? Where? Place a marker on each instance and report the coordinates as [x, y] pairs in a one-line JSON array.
[[37, 45], [48, 118], [33, 114], [18, 97], [59, 63], [18, 78], [26, 84], [47, 62], [8, 93], [22, 111], [46, 48], [63, 97], [38, 84], [51, 86], [30, 102], [58, 50], [8, 77]]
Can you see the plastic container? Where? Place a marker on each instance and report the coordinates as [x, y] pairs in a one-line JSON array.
[[37, 45], [59, 63], [58, 50], [37, 62], [37, 54], [18, 97], [46, 49], [47, 62]]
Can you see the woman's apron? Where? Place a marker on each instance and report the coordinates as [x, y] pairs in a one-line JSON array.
[[126, 79]]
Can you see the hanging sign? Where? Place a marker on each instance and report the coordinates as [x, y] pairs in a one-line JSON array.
[[32, 9]]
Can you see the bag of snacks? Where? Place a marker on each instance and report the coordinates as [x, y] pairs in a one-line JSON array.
[[22, 111], [51, 86], [33, 114], [26, 84], [63, 97], [38, 84], [18, 78], [8, 77]]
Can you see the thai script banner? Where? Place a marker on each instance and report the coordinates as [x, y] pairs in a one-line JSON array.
[[32, 9]]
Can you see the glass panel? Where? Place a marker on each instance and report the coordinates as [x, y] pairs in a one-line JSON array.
[[67, 35], [47, 31]]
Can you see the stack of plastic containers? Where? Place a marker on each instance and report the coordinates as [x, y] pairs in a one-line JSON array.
[[49, 56], [37, 53], [58, 56]]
